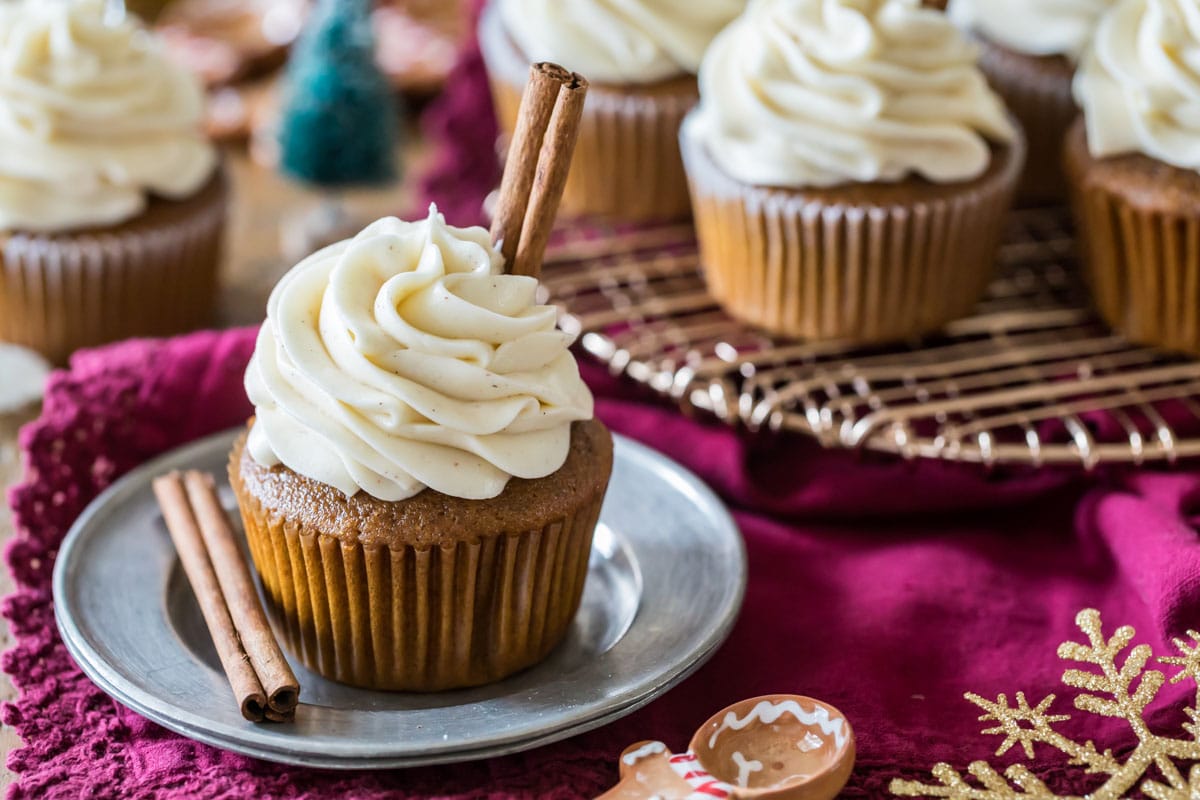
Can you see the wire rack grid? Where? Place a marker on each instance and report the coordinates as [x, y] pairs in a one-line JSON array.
[[1031, 377]]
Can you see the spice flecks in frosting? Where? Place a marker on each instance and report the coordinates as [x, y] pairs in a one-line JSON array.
[[93, 118], [404, 359], [618, 41], [1033, 27], [824, 92], [1139, 85]]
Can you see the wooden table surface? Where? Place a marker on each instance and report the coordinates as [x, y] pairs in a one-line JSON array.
[[262, 202]]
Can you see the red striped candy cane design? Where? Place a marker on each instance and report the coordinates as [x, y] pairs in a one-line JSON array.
[[704, 786]]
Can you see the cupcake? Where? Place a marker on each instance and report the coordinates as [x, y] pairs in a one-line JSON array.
[[640, 57], [850, 169], [423, 474], [1133, 166], [224, 41], [112, 203], [1030, 48]]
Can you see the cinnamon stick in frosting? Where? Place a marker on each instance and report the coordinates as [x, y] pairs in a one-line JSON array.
[[539, 159], [554, 163]]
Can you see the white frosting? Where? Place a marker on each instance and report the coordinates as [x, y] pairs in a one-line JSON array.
[[745, 768], [645, 751], [1033, 27], [404, 359], [824, 92], [93, 118], [618, 41], [768, 713], [809, 743], [1139, 86]]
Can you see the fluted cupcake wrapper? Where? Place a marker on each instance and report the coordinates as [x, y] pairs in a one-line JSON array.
[[1143, 267], [627, 164], [1038, 93], [62, 292], [421, 619], [859, 271]]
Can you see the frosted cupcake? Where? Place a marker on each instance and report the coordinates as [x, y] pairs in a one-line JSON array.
[[112, 205], [423, 475], [1133, 165], [641, 57], [1030, 48], [850, 169]]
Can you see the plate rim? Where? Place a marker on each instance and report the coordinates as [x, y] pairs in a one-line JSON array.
[[191, 725]]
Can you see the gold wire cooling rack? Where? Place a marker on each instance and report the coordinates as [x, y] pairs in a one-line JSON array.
[[1032, 377]]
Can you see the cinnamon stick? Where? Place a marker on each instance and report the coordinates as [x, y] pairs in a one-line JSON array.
[[241, 597], [259, 675], [537, 106], [189, 543], [553, 165]]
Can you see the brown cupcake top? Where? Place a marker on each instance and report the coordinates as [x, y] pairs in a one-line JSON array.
[[430, 519], [913, 189], [406, 358], [1145, 183], [159, 212]]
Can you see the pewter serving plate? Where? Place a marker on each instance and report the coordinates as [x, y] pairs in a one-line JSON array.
[[667, 574]]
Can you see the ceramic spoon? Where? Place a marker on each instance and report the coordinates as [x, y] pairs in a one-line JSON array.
[[779, 747]]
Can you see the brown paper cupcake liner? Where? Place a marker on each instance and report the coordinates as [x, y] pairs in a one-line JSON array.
[[835, 264], [1141, 259], [152, 276], [420, 619], [1037, 90], [627, 164]]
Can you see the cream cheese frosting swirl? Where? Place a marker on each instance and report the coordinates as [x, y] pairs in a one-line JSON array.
[[824, 92], [404, 359], [1139, 85], [1033, 27], [93, 118], [618, 41]]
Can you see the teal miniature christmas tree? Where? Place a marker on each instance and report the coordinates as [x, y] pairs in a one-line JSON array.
[[339, 126]]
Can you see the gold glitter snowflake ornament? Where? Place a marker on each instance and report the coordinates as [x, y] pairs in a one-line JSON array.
[[1106, 690]]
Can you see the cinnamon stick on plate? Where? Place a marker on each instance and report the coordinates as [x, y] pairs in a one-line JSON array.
[[263, 683], [539, 160]]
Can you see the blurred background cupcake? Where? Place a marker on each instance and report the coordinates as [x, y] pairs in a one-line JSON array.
[[112, 201], [850, 169], [641, 57], [224, 41], [1030, 48], [1133, 163], [236, 47]]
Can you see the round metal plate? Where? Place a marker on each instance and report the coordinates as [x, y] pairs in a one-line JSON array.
[[667, 575]]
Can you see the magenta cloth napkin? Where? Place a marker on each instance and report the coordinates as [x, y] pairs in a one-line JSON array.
[[888, 589]]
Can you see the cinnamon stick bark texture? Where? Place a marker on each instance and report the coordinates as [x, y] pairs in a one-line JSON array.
[[192, 523], [241, 597], [185, 533], [553, 165], [539, 160], [537, 106]]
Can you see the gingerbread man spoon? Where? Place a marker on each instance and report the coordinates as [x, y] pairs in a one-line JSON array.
[[779, 747]]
